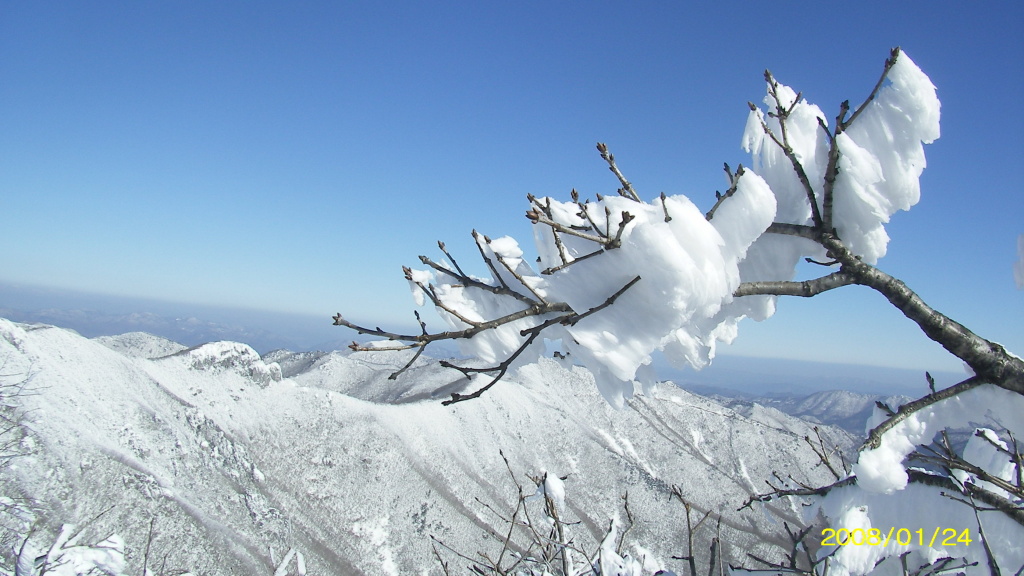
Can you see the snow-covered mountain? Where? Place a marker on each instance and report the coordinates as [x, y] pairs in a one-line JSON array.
[[841, 408], [216, 460], [141, 345]]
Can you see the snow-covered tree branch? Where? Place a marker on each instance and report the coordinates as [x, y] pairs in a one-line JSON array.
[[619, 278], [814, 192]]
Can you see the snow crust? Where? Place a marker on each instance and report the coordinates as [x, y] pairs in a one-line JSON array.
[[554, 488]]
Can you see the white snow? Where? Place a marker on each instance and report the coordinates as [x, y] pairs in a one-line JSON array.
[[553, 488], [681, 271], [882, 469], [417, 280], [141, 344], [883, 157], [883, 498], [239, 459], [231, 465], [881, 160], [989, 452], [688, 269], [66, 555]]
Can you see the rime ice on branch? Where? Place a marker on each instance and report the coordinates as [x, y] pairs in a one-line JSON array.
[[619, 278]]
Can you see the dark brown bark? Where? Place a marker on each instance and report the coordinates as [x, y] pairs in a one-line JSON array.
[[989, 360]]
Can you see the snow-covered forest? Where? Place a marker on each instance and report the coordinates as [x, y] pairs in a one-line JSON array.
[[136, 455]]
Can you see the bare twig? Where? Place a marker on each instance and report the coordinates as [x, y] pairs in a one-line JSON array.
[[473, 283], [538, 218], [483, 256], [531, 333], [500, 368], [450, 258], [431, 293], [716, 554], [149, 543], [954, 462], [823, 453], [585, 213], [1018, 459], [734, 180], [783, 115], [800, 230], [423, 326], [993, 565], [546, 207], [690, 529], [519, 277], [420, 339], [797, 539], [819, 263], [552, 270], [664, 207], [831, 174], [889, 62], [437, 555], [450, 549], [610, 159], [842, 124], [617, 241], [779, 492]]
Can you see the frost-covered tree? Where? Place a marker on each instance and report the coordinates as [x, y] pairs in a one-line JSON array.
[[619, 278]]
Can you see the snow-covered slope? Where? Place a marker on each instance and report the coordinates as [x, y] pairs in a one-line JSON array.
[[141, 345], [841, 408], [235, 460]]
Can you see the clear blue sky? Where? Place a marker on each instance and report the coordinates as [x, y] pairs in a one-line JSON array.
[[292, 156]]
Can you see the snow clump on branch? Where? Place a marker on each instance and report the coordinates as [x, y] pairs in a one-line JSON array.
[[687, 268], [620, 278], [880, 162]]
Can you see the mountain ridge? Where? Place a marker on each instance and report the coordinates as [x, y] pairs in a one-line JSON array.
[[357, 471]]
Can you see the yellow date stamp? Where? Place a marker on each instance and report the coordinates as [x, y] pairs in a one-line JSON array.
[[942, 537]]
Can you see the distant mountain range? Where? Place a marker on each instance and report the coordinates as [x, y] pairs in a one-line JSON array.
[[840, 408], [729, 376], [218, 460], [100, 315], [734, 376], [187, 330]]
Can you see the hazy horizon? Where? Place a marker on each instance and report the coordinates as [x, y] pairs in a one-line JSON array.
[[94, 315]]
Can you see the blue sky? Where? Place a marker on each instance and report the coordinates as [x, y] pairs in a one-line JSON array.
[[292, 156]]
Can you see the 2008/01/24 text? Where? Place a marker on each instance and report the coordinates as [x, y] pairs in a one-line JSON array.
[[902, 536]]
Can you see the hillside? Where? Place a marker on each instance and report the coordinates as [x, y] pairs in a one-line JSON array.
[[236, 459]]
